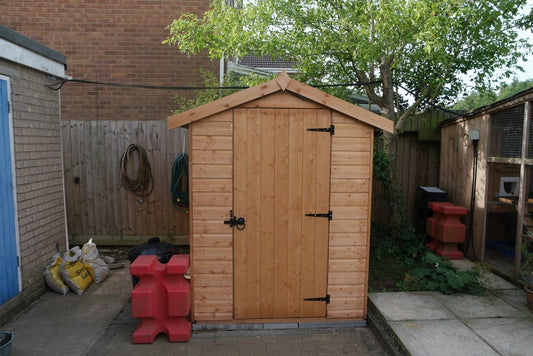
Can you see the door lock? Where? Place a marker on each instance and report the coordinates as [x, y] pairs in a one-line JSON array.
[[240, 223]]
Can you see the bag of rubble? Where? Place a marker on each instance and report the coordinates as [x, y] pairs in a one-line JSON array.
[[74, 272], [52, 277], [97, 267]]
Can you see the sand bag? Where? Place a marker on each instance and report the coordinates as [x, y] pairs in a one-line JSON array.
[[96, 266], [74, 272], [53, 278]]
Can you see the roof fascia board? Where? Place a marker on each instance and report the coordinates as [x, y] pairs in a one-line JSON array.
[[341, 106], [18, 54]]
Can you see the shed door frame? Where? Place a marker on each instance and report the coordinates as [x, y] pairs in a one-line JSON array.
[[277, 131], [12, 285]]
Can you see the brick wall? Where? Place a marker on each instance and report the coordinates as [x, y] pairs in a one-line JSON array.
[[39, 184], [112, 41]]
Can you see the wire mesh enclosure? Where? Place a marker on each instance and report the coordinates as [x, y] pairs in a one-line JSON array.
[[506, 133]]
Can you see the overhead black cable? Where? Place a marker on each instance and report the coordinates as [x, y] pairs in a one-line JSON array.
[[59, 85]]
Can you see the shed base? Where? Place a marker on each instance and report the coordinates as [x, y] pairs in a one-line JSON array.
[[281, 325]]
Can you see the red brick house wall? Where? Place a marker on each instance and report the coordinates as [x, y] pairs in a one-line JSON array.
[[112, 41]]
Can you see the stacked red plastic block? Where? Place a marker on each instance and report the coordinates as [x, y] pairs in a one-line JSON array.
[[445, 229], [161, 299]]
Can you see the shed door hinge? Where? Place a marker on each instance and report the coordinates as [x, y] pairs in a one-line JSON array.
[[328, 215], [330, 129], [318, 299]]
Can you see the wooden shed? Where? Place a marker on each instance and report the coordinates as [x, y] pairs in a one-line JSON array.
[[295, 164]]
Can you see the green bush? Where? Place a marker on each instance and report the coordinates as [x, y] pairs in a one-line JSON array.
[[437, 274]]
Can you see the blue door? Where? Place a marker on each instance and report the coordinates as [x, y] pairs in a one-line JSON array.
[[9, 278]]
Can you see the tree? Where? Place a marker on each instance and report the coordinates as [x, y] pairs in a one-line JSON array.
[[477, 99], [420, 47]]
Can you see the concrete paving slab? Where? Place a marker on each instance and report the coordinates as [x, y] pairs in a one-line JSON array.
[[410, 306], [57, 324], [488, 280], [516, 297], [440, 338], [466, 306], [508, 336]]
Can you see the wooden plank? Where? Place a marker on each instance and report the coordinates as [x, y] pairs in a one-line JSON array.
[[212, 142], [210, 213], [281, 254], [239, 196], [213, 293], [211, 171], [212, 157], [353, 199], [215, 127], [213, 280], [350, 158], [214, 268], [347, 265], [252, 213], [282, 100], [352, 130], [213, 199], [348, 239], [347, 291], [213, 240], [209, 227], [350, 185], [309, 207], [213, 253], [211, 185], [345, 171], [347, 251], [268, 207], [350, 212], [345, 278], [295, 212], [351, 144], [323, 158], [348, 226]]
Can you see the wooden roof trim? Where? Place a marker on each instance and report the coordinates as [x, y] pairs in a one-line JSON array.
[[340, 105], [282, 83], [225, 103]]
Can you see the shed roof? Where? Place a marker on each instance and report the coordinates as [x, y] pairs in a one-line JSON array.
[[281, 83]]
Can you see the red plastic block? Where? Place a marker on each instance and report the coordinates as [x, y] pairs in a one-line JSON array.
[[161, 299], [432, 223]]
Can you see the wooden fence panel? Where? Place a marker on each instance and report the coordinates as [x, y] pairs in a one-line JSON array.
[[417, 164], [97, 205]]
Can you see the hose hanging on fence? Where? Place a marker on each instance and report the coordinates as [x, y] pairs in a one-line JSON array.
[[142, 184], [179, 186]]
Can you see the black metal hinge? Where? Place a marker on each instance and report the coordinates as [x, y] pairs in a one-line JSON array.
[[319, 299], [328, 215], [330, 129]]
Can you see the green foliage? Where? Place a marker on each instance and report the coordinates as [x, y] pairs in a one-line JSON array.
[[478, 99], [233, 81], [437, 274], [425, 45], [526, 263], [398, 237]]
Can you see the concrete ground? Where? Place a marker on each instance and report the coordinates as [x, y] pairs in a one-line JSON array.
[[431, 323], [99, 322]]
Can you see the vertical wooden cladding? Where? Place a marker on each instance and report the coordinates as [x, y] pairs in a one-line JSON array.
[[351, 175], [281, 172], [211, 241], [97, 205]]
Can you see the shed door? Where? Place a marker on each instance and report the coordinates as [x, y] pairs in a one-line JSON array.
[[9, 276], [281, 173]]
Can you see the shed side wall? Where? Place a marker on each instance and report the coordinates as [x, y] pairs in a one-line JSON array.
[[211, 241], [350, 197]]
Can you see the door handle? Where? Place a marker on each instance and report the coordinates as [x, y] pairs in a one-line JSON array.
[[240, 223]]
